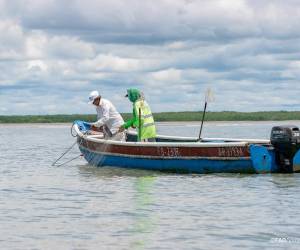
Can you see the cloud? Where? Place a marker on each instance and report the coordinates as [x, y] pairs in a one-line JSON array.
[[11, 45], [246, 50], [69, 48], [134, 21]]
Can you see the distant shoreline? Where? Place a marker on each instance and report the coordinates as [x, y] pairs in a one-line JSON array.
[[163, 117]]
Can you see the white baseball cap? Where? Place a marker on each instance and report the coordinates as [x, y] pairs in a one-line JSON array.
[[93, 95]]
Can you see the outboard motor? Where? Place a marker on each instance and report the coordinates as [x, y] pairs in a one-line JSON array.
[[286, 142]]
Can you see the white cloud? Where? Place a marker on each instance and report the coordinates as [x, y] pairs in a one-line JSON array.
[[247, 50], [37, 65], [169, 76], [35, 44], [115, 63], [69, 48], [11, 45], [148, 21]]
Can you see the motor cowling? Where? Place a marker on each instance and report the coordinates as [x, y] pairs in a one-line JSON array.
[[286, 142]]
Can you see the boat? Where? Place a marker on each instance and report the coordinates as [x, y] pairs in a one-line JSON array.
[[280, 154]]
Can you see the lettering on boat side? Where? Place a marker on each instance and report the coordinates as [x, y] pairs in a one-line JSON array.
[[230, 152], [169, 152]]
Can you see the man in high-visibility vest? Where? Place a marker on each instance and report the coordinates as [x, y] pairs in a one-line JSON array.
[[142, 117]]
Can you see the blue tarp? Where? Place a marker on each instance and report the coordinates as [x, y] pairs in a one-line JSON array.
[[83, 126]]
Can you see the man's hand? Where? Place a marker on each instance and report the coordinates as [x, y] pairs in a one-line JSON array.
[[97, 129], [121, 129]]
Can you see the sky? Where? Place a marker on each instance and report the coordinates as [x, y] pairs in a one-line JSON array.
[[53, 53]]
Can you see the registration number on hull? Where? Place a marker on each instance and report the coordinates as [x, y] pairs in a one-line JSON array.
[[168, 152], [231, 152]]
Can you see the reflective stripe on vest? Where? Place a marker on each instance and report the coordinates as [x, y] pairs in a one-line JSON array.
[[148, 124], [147, 116]]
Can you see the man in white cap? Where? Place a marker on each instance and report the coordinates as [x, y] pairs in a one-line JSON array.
[[108, 117]]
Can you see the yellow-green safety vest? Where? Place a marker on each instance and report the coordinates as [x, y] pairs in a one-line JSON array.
[[147, 125]]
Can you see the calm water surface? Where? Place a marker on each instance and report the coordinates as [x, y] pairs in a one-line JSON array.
[[78, 206]]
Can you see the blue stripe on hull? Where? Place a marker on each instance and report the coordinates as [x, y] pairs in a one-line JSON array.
[[200, 166]]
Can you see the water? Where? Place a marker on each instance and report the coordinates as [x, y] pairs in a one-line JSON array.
[[78, 206]]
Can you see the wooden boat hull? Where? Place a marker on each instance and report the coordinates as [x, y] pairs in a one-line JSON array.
[[187, 155], [174, 164], [181, 158]]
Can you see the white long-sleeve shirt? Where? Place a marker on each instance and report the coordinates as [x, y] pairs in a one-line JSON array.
[[107, 114]]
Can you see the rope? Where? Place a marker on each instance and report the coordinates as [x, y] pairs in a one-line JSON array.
[[68, 149], [72, 130], [58, 165]]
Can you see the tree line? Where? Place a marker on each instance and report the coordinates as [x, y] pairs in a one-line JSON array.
[[162, 117]]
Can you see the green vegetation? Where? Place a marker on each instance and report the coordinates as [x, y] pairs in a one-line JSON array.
[[165, 116], [229, 116]]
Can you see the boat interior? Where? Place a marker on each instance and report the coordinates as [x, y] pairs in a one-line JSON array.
[[131, 136]]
